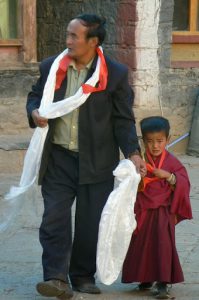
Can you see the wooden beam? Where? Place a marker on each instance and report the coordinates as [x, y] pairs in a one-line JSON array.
[[185, 33], [193, 15], [13, 42], [29, 31]]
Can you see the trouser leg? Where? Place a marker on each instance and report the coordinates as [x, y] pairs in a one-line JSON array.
[[58, 190], [91, 199]]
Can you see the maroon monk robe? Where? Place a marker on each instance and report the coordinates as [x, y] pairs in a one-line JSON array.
[[152, 254]]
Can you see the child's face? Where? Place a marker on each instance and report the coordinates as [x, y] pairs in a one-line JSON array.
[[155, 142]]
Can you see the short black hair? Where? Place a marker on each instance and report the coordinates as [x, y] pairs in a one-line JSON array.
[[154, 124], [95, 24]]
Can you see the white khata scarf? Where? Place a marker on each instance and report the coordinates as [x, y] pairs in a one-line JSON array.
[[50, 110]]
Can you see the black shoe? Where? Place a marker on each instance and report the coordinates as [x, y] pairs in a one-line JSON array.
[[143, 286], [162, 291], [55, 288], [86, 287]]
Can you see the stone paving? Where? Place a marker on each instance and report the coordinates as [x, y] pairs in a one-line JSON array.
[[20, 251]]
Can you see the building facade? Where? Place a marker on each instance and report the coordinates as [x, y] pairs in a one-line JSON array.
[[158, 40]]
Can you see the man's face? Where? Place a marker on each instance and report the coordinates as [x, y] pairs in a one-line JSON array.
[[79, 47]]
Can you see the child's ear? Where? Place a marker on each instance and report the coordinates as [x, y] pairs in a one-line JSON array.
[[168, 139]]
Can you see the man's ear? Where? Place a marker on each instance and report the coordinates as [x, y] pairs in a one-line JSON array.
[[94, 41]]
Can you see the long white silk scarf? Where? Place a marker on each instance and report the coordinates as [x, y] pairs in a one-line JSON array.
[[117, 223], [50, 110]]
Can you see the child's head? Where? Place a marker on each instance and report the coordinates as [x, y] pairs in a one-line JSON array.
[[155, 133]]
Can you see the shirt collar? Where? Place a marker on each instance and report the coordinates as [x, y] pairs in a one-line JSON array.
[[88, 66]]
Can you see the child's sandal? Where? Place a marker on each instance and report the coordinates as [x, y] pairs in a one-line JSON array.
[[143, 286], [162, 291]]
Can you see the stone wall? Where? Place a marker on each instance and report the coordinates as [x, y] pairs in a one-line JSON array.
[[139, 35], [15, 85], [178, 87], [15, 133], [161, 90], [53, 17]]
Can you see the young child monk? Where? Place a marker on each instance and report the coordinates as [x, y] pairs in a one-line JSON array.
[[162, 202]]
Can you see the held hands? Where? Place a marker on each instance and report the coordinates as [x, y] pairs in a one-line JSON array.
[[139, 164], [38, 120]]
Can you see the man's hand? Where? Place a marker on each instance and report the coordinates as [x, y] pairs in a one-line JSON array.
[[139, 164], [38, 120]]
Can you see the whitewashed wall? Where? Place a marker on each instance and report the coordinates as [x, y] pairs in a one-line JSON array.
[[147, 89]]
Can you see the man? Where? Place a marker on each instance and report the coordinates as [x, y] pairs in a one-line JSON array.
[[81, 151]]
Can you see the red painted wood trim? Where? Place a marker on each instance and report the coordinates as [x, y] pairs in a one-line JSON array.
[[184, 64], [185, 39]]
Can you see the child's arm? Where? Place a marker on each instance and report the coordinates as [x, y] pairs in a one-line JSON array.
[[170, 177]]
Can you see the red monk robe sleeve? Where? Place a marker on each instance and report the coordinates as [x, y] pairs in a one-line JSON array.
[[180, 205]]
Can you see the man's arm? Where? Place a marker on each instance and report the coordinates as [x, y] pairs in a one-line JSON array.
[[35, 96], [124, 123]]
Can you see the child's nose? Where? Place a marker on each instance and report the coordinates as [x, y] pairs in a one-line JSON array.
[[155, 145]]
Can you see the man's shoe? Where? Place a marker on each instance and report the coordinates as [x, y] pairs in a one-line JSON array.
[[86, 287], [54, 288]]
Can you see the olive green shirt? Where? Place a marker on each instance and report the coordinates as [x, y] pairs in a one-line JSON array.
[[66, 127]]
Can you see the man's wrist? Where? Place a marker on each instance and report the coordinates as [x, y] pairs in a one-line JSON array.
[[33, 111], [135, 152]]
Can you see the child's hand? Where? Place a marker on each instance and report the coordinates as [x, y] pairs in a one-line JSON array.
[[160, 173]]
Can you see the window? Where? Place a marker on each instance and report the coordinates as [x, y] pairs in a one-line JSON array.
[[180, 17], [17, 32], [185, 42], [8, 19]]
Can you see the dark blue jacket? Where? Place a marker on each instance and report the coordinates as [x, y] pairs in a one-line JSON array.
[[106, 122]]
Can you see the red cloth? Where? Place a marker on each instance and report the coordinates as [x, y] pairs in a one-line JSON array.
[[150, 168], [103, 74], [61, 72], [152, 254]]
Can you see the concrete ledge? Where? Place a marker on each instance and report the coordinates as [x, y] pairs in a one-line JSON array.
[[12, 152], [14, 142]]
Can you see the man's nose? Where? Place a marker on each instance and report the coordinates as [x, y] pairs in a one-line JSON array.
[[68, 40]]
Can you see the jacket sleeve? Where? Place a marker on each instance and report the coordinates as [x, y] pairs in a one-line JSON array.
[[35, 96], [123, 117]]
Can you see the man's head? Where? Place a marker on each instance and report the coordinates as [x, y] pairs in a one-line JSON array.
[[95, 26], [155, 133], [84, 34]]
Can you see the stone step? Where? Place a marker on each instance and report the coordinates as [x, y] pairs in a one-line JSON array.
[[12, 152]]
